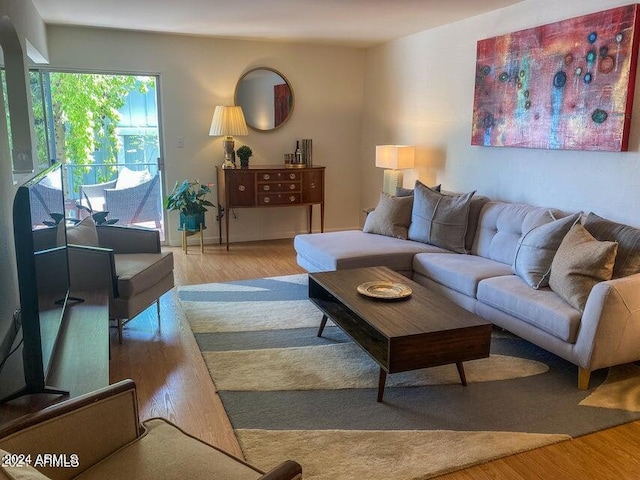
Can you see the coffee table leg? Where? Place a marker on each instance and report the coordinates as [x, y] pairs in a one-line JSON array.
[[323, 322], [463, 378], [382, 380]]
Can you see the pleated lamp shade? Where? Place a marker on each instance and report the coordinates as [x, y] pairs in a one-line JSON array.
[[228, 121]]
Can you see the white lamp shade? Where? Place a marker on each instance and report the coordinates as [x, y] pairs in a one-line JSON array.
[[228, 121], [395, 157]]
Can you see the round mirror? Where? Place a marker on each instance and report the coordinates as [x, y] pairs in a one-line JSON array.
[[266, 98]]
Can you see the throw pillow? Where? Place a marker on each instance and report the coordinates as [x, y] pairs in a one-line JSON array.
[[580, 263], [536, 250], [628, 238], [129, 178], [405, 192], [439, 219], [391, 217], [82, 233]]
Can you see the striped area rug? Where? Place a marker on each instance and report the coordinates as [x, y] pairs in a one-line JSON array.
[[290, 394]]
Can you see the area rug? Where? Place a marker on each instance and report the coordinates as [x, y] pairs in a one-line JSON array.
[[292, 395]]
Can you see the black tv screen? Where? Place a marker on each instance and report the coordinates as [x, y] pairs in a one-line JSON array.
[[43, 271]]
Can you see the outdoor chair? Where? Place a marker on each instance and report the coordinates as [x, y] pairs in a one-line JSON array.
[[99, 436], [137, 204]]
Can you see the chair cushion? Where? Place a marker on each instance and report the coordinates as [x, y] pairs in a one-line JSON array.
[[23, 471], [167, 452], [541, 308], [137, 272], [461, 273], [128, 178], [321, 252]]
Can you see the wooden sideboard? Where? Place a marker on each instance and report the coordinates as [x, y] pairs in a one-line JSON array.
[[266, 186]]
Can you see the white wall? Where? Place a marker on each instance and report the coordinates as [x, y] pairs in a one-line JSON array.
[[198, 73], [419, 90]]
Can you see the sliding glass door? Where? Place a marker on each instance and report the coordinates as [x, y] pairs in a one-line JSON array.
[[105, 129]]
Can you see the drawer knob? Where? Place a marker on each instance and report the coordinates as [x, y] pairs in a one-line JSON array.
[[292, 186], [241, 188], [292, 198], [266, 176], [313, 185], [292, 176], [267, 199], [266, 188]]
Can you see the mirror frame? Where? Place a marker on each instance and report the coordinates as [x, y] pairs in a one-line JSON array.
[[286, 80]]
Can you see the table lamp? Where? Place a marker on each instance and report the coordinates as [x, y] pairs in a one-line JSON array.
[[394, 158], [227, 122]]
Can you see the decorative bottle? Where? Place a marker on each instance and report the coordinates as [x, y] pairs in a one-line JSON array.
[[298, 153]]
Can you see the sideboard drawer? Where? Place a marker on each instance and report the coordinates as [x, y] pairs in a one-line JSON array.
[[278, 199], [278, 176], [279, 187]]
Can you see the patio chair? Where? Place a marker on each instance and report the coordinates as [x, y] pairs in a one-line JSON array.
[[137, 204]]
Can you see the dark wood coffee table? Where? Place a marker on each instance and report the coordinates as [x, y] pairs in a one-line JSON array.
[[422, 330]]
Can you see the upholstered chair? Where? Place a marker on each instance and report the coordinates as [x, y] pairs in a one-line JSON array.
[[128, 263], [99, 436]]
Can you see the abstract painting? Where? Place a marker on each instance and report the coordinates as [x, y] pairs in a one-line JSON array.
[[566, 85]]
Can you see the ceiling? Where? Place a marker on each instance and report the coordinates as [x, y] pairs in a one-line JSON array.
[[357, 23]]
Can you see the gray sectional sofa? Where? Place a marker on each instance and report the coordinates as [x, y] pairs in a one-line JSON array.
[[602, 333]]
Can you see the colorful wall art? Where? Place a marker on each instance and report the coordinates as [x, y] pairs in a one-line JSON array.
[[566, 85]]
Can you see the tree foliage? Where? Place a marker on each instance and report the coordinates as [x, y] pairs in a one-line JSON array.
[[85, 109]]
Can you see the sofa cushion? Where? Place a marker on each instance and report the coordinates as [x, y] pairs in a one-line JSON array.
[[628, 238], [440, 219], [580, 263], [165, 451], [536, 250], [405, 192], [320, 252], [391, 216], [461, 273], [137, 272], [501, 225], [541, 308]]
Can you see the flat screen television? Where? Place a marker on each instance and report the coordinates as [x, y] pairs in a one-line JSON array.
[[43, 274]]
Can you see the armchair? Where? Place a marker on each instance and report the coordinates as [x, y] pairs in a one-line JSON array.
[[129, 265], [100, 436]]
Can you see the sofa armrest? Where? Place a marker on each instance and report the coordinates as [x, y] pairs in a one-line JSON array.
[[288, 470], [92, 268], [129, 239], [91, 426], [610, 327]]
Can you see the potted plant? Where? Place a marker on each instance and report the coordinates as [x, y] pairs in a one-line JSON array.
[[188, 198], [244, 153]]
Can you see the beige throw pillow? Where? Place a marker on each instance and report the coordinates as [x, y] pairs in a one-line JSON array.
[[439, 219], [536, 250], [82, 233], [391, 217], [580, 263]]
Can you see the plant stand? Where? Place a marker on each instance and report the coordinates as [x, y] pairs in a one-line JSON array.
[[187, 232]]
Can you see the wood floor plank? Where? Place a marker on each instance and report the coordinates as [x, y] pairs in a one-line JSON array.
[[174, 382]]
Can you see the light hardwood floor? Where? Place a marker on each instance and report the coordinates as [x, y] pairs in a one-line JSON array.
[[173, 381]]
